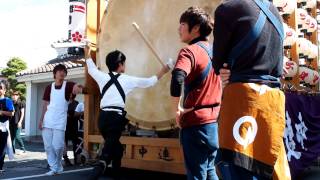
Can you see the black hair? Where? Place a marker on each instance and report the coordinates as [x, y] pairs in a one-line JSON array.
[[4, 83], [194, 16], [16, 93], [114, 59], [59, 67]]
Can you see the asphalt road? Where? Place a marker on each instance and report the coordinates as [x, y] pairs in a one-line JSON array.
[[32, 165]]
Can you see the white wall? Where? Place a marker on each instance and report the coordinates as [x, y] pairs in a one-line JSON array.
[[41, 88], [31, 110]]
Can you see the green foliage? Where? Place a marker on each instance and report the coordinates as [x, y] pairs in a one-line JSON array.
[[15, 65]]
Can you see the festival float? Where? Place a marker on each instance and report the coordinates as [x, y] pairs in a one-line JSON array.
[[145, 30]]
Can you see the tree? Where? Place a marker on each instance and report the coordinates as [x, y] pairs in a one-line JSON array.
[[15, 65]]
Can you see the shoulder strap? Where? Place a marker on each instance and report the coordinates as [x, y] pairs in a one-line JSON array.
[[114, 80], [248, 40], [119, 87], [107, 86], [204, 74], [207, 49], [264, 6], [206, 71], [255, 32]]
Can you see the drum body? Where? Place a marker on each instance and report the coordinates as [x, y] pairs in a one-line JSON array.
[[159, 20]]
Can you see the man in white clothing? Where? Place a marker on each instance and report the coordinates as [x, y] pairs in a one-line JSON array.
[[114, 87], [54, 117]]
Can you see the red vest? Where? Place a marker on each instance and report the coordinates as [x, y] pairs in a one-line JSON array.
[[207, 93]]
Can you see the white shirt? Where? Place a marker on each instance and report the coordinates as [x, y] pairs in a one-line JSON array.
[[112, 96], [80, 107]]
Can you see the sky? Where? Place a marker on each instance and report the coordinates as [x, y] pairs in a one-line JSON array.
[[28, 27]]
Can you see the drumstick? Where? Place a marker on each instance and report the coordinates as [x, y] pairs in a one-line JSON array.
[[145, 39]]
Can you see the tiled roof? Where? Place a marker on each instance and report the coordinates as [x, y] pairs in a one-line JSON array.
[[68, 61]]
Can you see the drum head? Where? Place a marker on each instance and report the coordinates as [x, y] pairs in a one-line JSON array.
[[159, 20]]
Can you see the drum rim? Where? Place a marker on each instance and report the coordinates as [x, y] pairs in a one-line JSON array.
[[163, 125]]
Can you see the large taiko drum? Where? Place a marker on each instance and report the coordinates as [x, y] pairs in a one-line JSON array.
[[159, 20]]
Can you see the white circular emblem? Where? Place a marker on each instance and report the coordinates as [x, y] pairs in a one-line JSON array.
[[251, 132]]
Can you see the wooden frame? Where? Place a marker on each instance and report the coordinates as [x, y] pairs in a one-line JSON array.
[[153, 154], [95, 8], [154, 157]]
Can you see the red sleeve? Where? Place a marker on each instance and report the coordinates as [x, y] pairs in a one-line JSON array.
[[69, 88], [47, 92], [184, 61]]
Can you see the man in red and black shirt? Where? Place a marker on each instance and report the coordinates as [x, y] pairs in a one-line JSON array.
[[54, 117], [68, 91], [202, 95]]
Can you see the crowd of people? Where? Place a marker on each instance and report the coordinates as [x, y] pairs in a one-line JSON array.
[[242, 140], [12, 113]]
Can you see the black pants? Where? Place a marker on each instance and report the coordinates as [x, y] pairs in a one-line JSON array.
[[3, 144], [111, 125]]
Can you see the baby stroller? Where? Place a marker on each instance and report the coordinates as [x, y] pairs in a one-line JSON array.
[[82, 154]]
